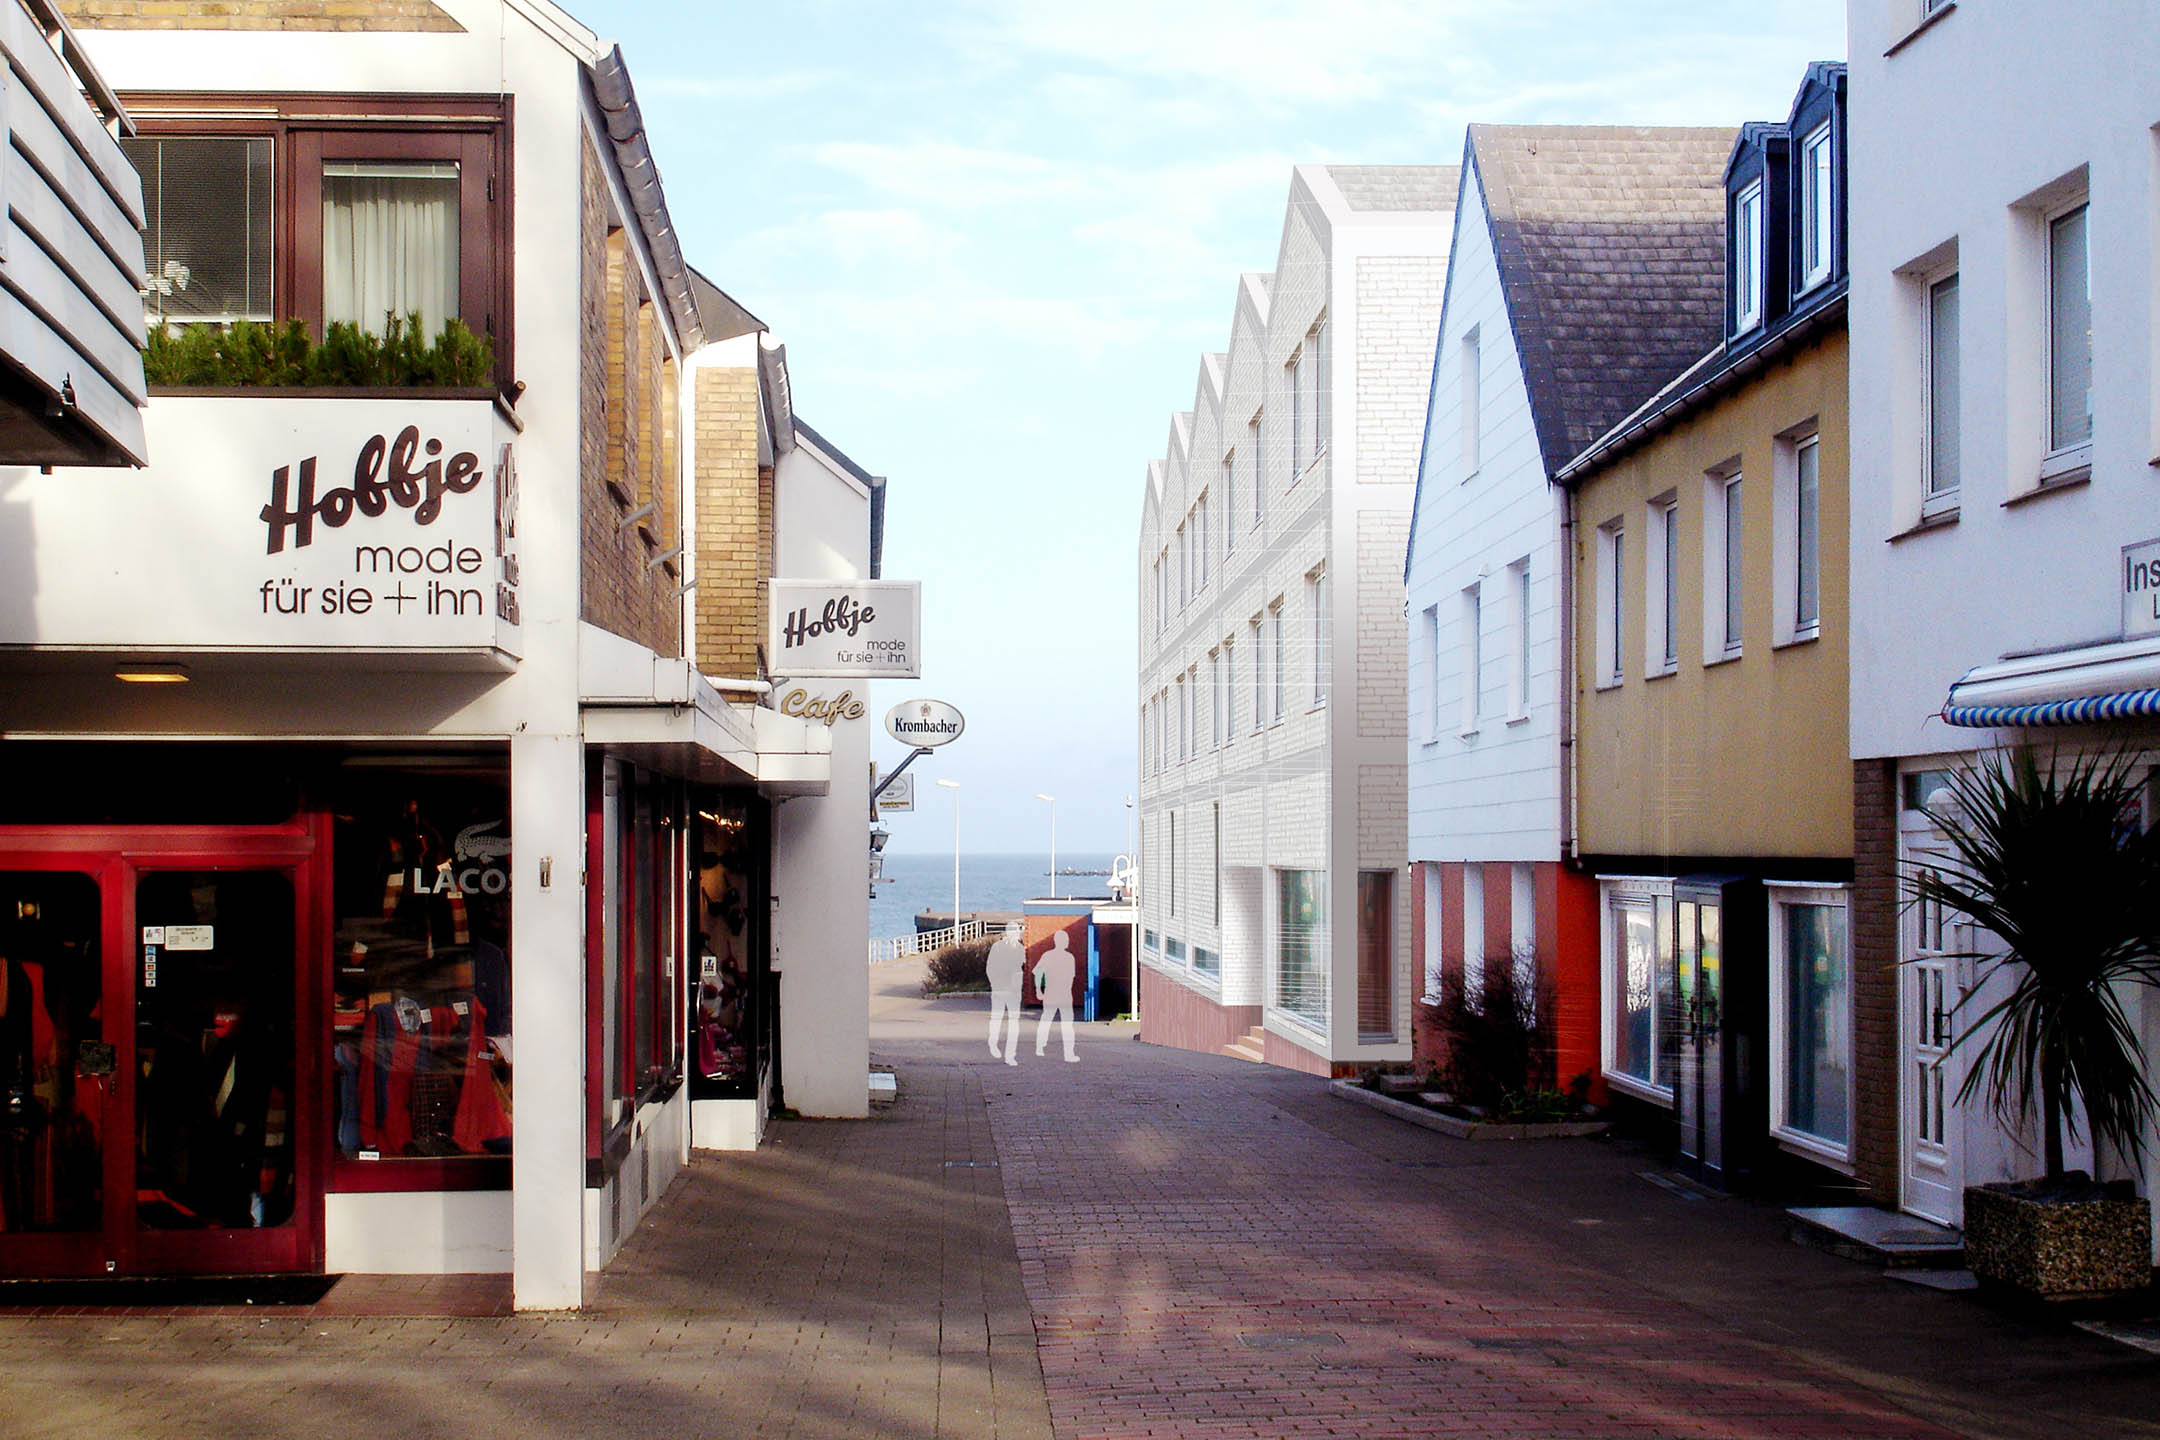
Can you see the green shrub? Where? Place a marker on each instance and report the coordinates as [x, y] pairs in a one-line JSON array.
[[959, 967], [246, 353]]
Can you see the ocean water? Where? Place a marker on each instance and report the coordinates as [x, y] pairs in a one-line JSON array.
[[987, 882]]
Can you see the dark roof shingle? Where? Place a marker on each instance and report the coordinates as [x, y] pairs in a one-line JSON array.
[[1610, 241]]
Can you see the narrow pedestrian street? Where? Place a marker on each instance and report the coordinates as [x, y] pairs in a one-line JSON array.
[[1195, 1246]]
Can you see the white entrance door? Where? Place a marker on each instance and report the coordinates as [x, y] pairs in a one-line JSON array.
[[1930, 984]]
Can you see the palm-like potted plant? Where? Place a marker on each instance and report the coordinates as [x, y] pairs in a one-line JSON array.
[[2049, 863]]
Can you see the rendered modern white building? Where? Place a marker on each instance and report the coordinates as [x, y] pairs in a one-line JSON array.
[[1271, 535], [2004, 432], [1584, 275]]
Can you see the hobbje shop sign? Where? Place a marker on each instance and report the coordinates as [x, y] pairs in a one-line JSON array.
[[845, 628], [284, 523]]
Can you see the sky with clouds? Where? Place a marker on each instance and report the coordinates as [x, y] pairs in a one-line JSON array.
[[997, 236]]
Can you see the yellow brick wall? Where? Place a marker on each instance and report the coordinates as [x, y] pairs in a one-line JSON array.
[[734, 507], [625, 441], [258, 15]]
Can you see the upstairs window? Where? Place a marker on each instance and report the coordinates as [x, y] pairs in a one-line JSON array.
[[1316, 589], [1747, 261], [1942, 433], [206, 237], [1816, 239], [2069, 336], [1316, 351], [1259, 477], [311, 215], [1294, 382], [1229, 491]]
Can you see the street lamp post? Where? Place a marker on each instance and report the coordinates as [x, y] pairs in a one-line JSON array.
[[954, 786], [1053, 842]]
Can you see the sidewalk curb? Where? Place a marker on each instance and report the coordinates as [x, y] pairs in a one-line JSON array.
[[1463, 1129]]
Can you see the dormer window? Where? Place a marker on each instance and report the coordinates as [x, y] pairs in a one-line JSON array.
[[1816, 242], [1747, 263]]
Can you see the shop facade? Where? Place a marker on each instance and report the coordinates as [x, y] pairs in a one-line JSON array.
[[381, 878]]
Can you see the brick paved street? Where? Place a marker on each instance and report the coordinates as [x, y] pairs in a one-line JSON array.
[[1205, 1249]]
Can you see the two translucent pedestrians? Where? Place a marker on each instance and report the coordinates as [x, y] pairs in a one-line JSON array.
[[1054, 975]]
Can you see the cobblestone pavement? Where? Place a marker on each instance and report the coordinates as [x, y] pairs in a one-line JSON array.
[[1217, 1249], [1195, 1247]]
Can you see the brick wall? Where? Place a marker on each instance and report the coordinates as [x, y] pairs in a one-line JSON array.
[[1172, 1015], [258, 15], [625, 442], [1399, 299], [1382, 646], [734, 507], [1874, 921]]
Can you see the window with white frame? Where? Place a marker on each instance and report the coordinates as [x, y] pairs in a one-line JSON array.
[[1192, 692], [1661, 589], [1162, 598], [1253, 471], [2069, 333], [1278, 662], [1316, 588], [1433, 948], [1472, 650], [1469, 352], [1724, 568], [1522, 935], [1641, 988], [1230, 510], [1316, 347], [1473, 933], [1201, 546], [1215, 698], [1170, 892], [1294, 383], [1796, 538], [1301, 944], [1429, 650], [1817, 239], [1259, 679], [1942, 436], [1184, 722], [1184, 565], [1811, 1043], [1747, 262], [1215, 873], [1229, 689], [1611, 560], [1519, 660]]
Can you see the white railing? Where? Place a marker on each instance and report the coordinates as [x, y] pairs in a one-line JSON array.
[[900, 947]]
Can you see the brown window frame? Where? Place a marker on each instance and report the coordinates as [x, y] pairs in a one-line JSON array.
[[306, 130]]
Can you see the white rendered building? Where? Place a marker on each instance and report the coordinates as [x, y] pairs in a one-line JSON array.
[[2004, 427], [1271, 787]]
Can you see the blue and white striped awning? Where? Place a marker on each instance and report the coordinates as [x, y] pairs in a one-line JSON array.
[[2087, 710], [2078, 685]]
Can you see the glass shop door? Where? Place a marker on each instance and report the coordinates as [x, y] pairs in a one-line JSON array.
[[155, 1114]]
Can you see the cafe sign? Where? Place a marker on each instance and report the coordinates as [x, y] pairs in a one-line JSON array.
[[2141, 589], [845, 629]]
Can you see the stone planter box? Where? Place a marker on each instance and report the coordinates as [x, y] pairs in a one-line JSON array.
[[1463, 1129], [2058, 1249]]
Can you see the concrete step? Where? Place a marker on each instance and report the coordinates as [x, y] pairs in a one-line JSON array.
[[1252, 1045], [1879, 1237]]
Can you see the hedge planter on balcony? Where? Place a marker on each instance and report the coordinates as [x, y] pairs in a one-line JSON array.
[[2058, 1243]]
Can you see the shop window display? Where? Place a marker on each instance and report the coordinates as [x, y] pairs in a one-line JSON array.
[[725, 1019], [422, 1012]]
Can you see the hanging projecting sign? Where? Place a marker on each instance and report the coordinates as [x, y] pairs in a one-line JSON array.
[[898, 796], [927, 723], [286, 523], [845, 628], [2141, 589]]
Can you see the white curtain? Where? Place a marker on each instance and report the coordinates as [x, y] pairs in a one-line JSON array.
[[390, 242]]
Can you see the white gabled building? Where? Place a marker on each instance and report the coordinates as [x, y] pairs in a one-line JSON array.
[[1584, 275], [2004, 429], [1271, 662]]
